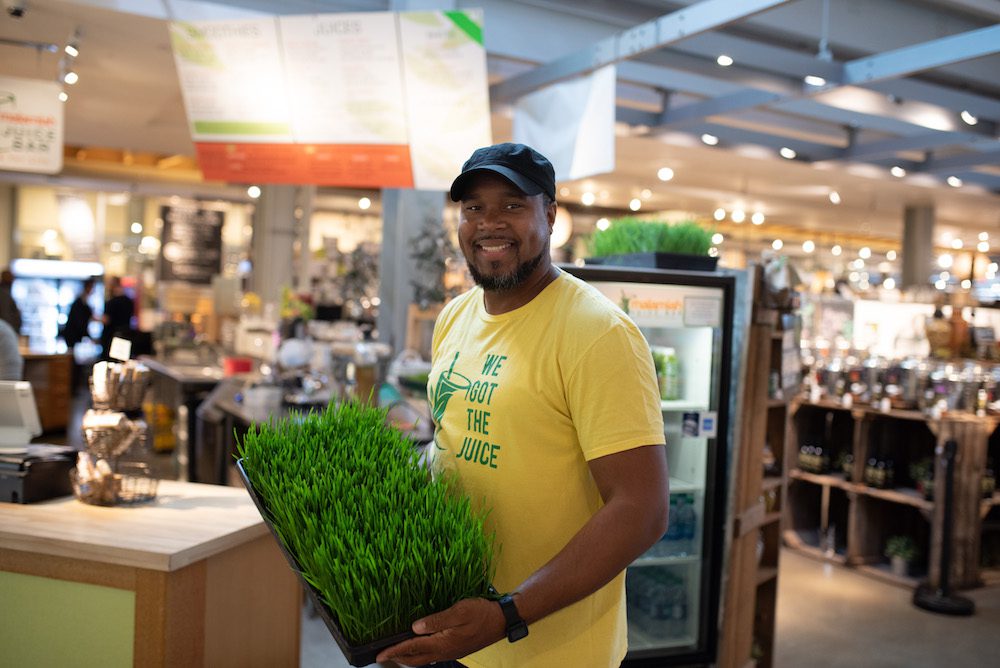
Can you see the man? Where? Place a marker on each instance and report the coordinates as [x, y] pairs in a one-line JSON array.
[[75, 329], [547, 406], [8, 307], [118, 312]]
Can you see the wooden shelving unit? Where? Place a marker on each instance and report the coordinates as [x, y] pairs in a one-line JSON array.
[[758, 500], [858, 519]]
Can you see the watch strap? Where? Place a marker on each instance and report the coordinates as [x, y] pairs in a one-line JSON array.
[[516, 628]]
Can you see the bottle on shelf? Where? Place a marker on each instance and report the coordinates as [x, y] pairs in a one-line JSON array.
[[671, 390]]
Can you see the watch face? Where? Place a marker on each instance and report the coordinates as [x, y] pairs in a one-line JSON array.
[[517, 632]]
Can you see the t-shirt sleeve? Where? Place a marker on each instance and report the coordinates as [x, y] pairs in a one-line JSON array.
[[613, 395]]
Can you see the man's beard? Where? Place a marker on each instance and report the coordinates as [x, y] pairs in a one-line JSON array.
[[510, 280]]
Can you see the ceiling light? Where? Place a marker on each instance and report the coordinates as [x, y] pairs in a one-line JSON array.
[[834, 197], [738, 215], [635, 204], [808, 246], [966, 116], [966, 284], [865, 252], [983, 247], [836, 250], [664, 173], [787, 153], [777, 244], [587, 198], [854, 277], [136, 228], [993, 266], [73, 52], [954, 182], [889, 283], [814, 80], [890, 256], [719, 214], [564, 192], [956, 244], [71, 77], [603, 223], [713, 252], [858, 263], [945, 260], [944, 275], [757, 218], [984, 236], [116, 247], [711, 140], [897, 171], [253, 191], [717, 238], [364, 204], [63, 96], [646, 193], [940, 285], [726, 61]]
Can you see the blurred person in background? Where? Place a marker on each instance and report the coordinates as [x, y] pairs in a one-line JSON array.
[[75, 329], [8, 309], [118, 312], [11, 362]]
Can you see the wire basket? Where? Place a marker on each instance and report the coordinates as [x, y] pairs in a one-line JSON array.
[[119, 387], [110, 435], [132, 484]]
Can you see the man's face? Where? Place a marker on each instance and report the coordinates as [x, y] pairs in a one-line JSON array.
[[503, 233]]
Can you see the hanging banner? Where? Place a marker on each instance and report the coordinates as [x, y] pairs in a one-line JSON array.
[[374, 99], [31, 126], [572, 123], [190, 244]]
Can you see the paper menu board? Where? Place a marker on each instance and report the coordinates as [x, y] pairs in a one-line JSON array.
[[448, 104], [31, 125], [232, 80], [347, 67]]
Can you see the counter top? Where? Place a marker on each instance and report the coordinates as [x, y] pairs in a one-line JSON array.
[[187, 522], [185, 372]]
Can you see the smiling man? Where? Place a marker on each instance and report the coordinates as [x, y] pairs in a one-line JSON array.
[[545, 403]]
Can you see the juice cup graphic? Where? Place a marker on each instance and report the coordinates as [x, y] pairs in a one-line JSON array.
[[448, 383]]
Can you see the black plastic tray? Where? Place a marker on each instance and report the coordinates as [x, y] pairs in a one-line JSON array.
[[356, 655], [651, 260]]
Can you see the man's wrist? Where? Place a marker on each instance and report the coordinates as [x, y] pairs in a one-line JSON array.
[[515, 628]]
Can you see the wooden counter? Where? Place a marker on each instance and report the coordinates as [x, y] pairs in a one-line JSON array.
[[192, 579], [50, 375]]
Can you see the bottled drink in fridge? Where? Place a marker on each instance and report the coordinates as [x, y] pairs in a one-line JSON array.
[[671, 376]]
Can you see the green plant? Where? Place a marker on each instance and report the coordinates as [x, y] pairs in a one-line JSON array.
[[903, 547], [659, 362], [382, 540], [633, 235]]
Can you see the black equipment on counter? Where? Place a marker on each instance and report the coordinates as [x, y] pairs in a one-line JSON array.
[[37, 473]]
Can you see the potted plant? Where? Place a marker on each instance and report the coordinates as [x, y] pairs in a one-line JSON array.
[[634, 242], [378, 541], [902, 551]]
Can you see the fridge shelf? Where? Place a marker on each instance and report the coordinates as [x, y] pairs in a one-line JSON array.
[[678, 405], [639, 640], [678, 486], [667, 561]]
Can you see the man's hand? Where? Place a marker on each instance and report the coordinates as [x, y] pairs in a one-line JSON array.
[[466, 627]]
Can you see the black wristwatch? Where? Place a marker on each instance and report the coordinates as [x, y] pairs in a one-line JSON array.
[[516, 627]]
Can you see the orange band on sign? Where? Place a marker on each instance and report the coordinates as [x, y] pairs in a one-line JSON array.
[[357, 165]]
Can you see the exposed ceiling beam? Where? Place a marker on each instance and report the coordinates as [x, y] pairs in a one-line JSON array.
[[655, 34], [925, 56], [950, 98], [962, 161]]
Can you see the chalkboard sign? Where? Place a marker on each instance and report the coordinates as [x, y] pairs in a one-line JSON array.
[[190, 244]]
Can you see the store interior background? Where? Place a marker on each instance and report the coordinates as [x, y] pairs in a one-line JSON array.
[[803, 171]]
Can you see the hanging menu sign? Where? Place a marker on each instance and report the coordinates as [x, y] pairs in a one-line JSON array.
[[190, 244], [31, 126], [374, 99]]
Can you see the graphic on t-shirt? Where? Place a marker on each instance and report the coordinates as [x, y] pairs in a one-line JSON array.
[[448, 383]]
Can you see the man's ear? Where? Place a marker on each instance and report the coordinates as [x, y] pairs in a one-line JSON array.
[[550, 214]]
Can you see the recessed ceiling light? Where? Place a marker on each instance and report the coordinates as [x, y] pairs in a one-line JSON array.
[[738, 215], [724, 60], [711, 140], [968, 117], [717, 238], [646, 193], [808, 246], [635, 204], [945, 260], [73, 52], [954, 182], [956, 244], [364, 204], [897, 171], [777, 244], [71, 77], [757, 218], [865, 253], [587, 198], [834, 197], [63, 96], [836, 250], [890, 256], [940, 285], [136, 228], [814, 80], [983, 247], [719, 214], [984, 236], [253, 191], [665, 173], [787, 153], [889, 283], [966, 284], [603, 223]]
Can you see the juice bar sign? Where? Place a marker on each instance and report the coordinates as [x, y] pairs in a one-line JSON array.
[[191, 244], [31, 126]]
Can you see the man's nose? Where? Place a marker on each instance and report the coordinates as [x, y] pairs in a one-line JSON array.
[[492, 217]]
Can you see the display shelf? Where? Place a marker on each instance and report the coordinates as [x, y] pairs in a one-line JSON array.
[[678, 486], [678, 405], [828, 479], [771, 482], [986, 504], [904, 495], [640, 640], [990, 576], [771, 518], [990, 419], [883, 572], [685, 560], [795, 541], [766, 574]]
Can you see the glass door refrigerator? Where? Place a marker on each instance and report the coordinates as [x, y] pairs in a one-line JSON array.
[[673, 590]]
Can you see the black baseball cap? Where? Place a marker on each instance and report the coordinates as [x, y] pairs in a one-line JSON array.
[[522, 165]]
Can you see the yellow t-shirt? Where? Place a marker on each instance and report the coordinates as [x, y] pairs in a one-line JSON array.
[[521, 402]]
